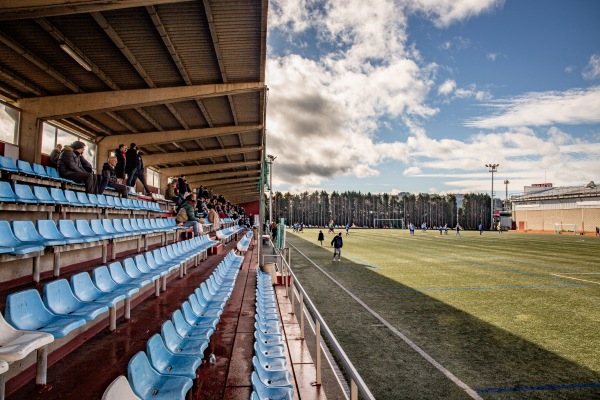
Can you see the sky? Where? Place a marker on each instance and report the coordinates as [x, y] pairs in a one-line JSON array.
[[418, 95]]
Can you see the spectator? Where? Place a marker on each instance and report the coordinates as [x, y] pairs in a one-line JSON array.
[[321, 237], [53, 160], [139, 173], [72, 165], [184, 189], [171, 192], [120, 167], [213, 217], [131, 162], [188, 208], [109, 177], [337, 244]]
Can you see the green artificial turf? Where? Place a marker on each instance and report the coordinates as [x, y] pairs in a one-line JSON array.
[[498, 310]]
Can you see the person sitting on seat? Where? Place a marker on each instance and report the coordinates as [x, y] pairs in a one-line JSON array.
[[192, 220], [109, 177], [54, 154], [72, 165]]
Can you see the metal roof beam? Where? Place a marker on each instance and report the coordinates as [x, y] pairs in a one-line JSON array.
[[200, 178], [195, 169], [156, 159], [64, 106], [26, 9]]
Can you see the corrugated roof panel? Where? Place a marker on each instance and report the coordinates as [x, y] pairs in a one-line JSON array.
[[219, 110]]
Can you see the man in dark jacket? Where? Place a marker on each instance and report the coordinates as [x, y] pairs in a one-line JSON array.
[[54, 154], [72, 165], [131, 161], [337, 244], [138, 171], [120, 167], [109, 177]]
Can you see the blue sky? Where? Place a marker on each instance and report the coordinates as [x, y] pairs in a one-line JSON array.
[[418, 95]]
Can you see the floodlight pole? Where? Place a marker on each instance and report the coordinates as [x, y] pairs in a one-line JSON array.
[[506, 182], [492, 168], [270, 162]]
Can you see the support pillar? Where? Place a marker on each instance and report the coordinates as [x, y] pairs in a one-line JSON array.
[[30, 138]]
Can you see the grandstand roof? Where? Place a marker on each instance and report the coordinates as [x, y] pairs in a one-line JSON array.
[[184, 80], [589, 190]]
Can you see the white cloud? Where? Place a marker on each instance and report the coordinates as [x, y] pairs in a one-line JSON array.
[[575, 106], [446, 12], [592, 70], [447, 87], [412, 171], [491, 56], [570, 68]]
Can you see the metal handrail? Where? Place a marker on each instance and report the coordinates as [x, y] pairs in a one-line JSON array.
[[357, 384]]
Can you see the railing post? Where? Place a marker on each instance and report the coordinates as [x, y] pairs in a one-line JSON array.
[[353, 390], [292, 293], [318, 350], [301, 302]]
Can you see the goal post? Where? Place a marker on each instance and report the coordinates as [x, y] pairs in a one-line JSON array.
[[565, 228], [389, 222]]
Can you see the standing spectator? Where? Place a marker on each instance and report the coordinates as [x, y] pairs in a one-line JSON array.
[[109, 177], [321, 237], [213, 217], [139, 173], [337, 244], [120, 167], [480, 229], [347, 228], [131, 161], [182, 186], [458, 230], [72, 165], [54, 154]]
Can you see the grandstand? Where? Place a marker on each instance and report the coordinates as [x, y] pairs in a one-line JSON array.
[[104, 296]]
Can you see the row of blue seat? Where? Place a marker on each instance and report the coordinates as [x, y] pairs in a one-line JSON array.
[[24, 238], [271, 378], [67, 307], [34, 170], [167, 368], [40, 195], [244, 243], [227, 234]]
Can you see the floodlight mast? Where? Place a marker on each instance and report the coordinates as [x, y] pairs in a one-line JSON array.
[[270, 162], [506, 182], [492, 168]]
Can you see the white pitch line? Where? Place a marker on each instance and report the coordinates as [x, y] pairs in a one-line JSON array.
[[472, 393], [577, 279]]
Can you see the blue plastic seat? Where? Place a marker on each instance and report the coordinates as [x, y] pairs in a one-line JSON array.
[[24, 194], [102, 201], [178, 345], [118, 274], [7, 195], [194, 320], [128, 228], [58, 196], [269, 351], [201, 311], [167, 363], [118, 203], [93, 198], [188, 331], [53, 173], [164, 263], [208, 305], [25, 310], [270, 363], [83, 199], [118, 225], [8, 164], [103, 281], [272, 377], [59, 299], [85, 290], [127, 204], [98, 229], [25, 168], [266, 338], [40, 171], [25, 231], [9, 240], [142, 265], [135, 226], [110, 229], [132, 270], [42, 195], [110, 201], [270, 392], [149, 384], [47, 229], [83, 227], [72, 199]]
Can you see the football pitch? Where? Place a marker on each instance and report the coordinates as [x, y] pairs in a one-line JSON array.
[[430, 316]]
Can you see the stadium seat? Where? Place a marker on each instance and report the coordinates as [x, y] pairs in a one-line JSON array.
[[108, 226], [110, 201], [42, 195], [149, 384], [188, 331], [118, 274], [72, 199], [84, 199], [271, 377], [53, 173], [142, 265], [103, 280], [10, 241], [118, 225], [119, 389], [194, 320], [40, 171], [93, 198], [102, 201], [178, 345], [25, 310], [25, 168], [59, 299], [7, 195], [98, 228], [59, 196], [83, 227], [25, 231], [167, 363], [119, 204], [8, 164], [270, 392], [24, 194], [132, 270], [48, 230], [85, 290]]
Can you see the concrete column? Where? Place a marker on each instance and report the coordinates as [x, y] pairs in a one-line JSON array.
[[30, 138]]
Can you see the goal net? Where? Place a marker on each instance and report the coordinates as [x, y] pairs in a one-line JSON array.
[[565, 228], [388, 223]]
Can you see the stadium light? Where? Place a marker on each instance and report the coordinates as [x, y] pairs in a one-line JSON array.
[[492, 168], [270, 162], [506, 182]]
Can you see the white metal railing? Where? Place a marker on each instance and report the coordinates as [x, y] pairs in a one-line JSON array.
[[357, 385]]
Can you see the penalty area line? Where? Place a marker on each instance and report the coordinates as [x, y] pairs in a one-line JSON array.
[[472, 393], [579, 279]]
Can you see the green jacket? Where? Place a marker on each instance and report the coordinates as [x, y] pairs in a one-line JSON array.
[[191, 213]]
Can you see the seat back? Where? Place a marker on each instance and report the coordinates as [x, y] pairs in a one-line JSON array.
[[151, 261], [8, 164], [83, 227], [188, 314], [25, 310], [131, 269], [97, 227], [108, 226], [72, 198], [170, 337], [42, 194], [128, 227], [118, 224], [67, 228], [182, 327], [8, 238], [48, 230], [110, 201], [118, 202], [6, 193], [119, 389], [102, 279], [141, 263], [101, 200], [135, 225], [84, 288], [24, 167], [59, 297], [83, 199], [52, 172], [158, 354], [93, 199], [117, 273], [24, 194], [40, 171], [25, 231], [141, 375], [58, 195]]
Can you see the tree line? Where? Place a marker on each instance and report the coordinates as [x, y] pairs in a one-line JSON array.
[[382, 210]]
